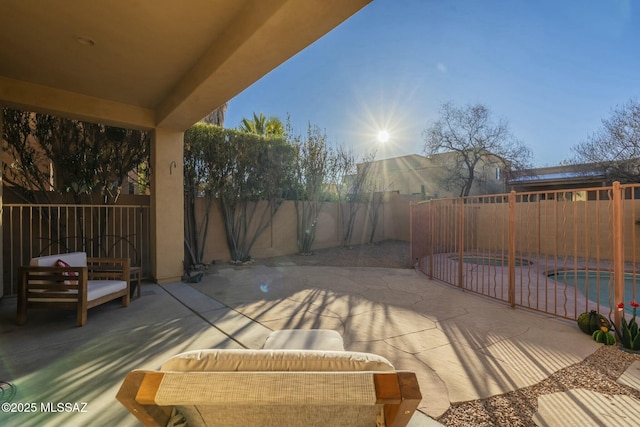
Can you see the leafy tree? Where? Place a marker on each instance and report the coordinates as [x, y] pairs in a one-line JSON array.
[[69, 156], [257, 169], [465, 139], [261, 125], [202, 177], [246, 173], [29, 168], [115, 152], [50, 154], [614, 149]]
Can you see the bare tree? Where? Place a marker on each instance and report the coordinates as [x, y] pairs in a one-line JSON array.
[[614, 149], [465, 139], [349, 182], [216, 117], [375, 201]]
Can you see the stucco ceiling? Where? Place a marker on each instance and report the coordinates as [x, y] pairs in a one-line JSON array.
[[149, 63]]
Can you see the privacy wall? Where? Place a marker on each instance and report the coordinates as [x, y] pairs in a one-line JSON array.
[[280, 237]]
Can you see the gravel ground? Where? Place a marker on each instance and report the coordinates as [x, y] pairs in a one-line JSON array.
[[598, 372]]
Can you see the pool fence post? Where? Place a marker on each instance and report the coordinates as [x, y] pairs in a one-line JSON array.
[[512, 249], [618, 253], [461, 243], [411, 235], [431, 236]]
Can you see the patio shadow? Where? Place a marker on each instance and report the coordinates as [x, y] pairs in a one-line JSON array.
[[52, 361]]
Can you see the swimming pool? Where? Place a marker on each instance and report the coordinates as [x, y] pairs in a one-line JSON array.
[[587, 282], [490, 260]]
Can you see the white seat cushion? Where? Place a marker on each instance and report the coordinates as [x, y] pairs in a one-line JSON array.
[[305, 339], [74, 259], [95, 289], [99, 288]]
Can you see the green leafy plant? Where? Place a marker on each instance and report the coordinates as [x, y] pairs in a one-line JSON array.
[[628, 333]]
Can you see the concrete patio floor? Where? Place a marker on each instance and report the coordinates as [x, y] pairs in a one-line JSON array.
[[461, 346]]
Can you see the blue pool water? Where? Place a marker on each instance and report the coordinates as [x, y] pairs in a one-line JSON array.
[[587, 282]]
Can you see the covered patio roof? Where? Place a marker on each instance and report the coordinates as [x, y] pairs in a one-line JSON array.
[[158, 65], [148, 64]]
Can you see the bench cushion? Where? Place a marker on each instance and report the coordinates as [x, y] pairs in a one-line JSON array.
[[100, 288], [95, 289], [275, 360], [74, 259], [305, 339]]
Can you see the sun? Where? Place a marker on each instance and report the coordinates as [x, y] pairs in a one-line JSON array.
[[383, 136]]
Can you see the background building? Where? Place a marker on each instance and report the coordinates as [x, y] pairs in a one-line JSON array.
[[430, 177]]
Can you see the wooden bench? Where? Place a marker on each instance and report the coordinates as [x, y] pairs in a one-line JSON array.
[[82, 284]]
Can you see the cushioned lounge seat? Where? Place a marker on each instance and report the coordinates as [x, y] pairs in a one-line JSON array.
[[72, 282], [274, 387], [309, 339]]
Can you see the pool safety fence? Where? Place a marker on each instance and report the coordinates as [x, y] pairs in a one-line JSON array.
[[511, 247]]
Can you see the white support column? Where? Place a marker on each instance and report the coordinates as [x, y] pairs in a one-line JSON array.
[[167, 205]]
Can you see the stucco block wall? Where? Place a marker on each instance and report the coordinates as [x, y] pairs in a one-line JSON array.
[[280, 237], [561, 228]]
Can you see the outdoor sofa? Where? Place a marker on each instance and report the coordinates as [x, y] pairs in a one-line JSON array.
[[278, 385], [72, 282]]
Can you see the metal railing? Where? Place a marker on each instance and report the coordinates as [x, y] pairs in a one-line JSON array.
[[558, 252], [119, 231]]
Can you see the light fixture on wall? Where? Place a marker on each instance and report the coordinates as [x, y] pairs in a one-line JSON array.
[[172, 165]]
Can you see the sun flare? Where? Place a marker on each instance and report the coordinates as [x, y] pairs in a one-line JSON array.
[[383, 136]]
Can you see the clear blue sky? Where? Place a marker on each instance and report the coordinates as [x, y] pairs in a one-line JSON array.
[[554, 69]]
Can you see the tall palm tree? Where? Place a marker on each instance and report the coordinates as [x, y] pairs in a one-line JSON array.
[[262, 125]]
